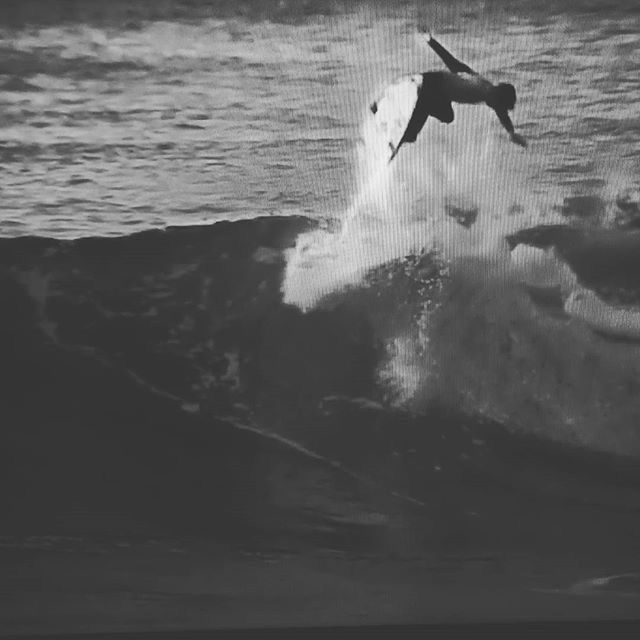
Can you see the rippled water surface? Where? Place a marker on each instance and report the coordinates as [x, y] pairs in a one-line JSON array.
[[115, 119]]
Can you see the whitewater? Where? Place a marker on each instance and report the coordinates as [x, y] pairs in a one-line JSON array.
[[477, 338]]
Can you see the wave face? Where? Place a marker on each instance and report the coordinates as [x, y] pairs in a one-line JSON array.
[[252, 108], [165, 372], [243, 417]]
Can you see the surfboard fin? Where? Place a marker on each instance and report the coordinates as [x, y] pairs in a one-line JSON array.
[[394, 151]]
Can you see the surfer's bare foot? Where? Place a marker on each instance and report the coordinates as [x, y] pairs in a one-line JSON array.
[[519, 140]]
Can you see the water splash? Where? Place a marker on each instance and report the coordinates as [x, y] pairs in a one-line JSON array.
[[484, 346], [404, 207]]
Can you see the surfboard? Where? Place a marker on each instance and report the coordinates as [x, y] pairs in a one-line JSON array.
[[393, 110]]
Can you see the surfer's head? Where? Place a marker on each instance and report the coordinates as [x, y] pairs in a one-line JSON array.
[[504, 96]]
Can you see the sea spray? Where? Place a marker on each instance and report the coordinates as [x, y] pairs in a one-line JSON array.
[[401, 208], [477, 341]]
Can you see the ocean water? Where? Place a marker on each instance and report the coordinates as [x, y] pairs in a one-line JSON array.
[[250, 365], [135, 116]]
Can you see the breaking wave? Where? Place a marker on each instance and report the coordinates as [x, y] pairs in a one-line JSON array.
[[510, 324]]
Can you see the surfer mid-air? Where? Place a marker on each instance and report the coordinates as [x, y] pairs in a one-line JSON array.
[[405, 105]]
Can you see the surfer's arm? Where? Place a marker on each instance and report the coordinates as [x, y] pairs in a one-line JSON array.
[[505, 121], [453, 64]]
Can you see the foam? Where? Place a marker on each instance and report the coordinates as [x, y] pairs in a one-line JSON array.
[[486, 348], [400, 208]]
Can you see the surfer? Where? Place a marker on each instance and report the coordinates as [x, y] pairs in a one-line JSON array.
[[405, 106]]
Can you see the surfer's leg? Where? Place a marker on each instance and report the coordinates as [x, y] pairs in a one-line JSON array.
[[415, 126], [442, 110], [410, 135], [432, 101], [453, 64]]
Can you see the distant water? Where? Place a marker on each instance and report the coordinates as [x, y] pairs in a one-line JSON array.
[[116, 117]]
